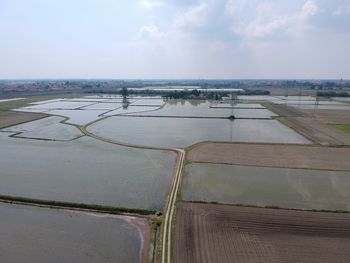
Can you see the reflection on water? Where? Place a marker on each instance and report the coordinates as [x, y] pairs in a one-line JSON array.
[[85, 171], [262, 186], [31, 234], [182, 132]]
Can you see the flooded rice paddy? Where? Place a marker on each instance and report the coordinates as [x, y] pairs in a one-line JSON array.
[[203, 109], [132, 109], [82, 111], [85, 171], [103, 106], [49, 128], [78, 117], [32, 234], [248, 185], [183, 132]]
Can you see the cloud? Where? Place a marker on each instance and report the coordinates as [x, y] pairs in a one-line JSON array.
[[151, 3], [150, 31], [218, 46], [309, 9], [266, 23], [195, 16], [342, 10], [234, 6]]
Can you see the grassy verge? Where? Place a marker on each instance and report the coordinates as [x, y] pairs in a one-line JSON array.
[[271, 207], [60, 204], [154, 251], [343, 127]]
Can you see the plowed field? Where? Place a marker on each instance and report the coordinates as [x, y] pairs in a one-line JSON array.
[[220, 233]]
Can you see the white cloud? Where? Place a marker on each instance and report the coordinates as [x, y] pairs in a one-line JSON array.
[[342, 10], [309, 9], [234, 6], [193, 17], [151, 3], [150, 31], [266, 23], [218, 46]]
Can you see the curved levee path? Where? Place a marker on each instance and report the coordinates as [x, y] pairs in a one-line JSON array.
[[170, 206]]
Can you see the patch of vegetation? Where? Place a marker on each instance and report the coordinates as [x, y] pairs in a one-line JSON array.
[[271, 207], [156, 222], [61, 204], [333, 94], [343, 127], [187, 162]]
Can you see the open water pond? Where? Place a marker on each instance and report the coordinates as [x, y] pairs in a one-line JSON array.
[[262, 186], [85, 171], [32, 234], [183, 132]]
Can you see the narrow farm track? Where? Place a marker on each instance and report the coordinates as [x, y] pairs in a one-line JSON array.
[[170, 207], [167, 226]]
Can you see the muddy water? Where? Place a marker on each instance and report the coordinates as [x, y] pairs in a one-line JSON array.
[[289, 188], [182, 132], [31, 235], [85, 171]]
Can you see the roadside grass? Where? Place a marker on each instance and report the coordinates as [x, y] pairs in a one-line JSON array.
[[67, 205], [343, 127], [269, 207]]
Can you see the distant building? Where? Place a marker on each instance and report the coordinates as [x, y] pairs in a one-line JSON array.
[[233, 96]]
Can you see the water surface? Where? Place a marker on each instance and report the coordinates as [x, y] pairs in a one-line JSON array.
[[288, 188], [85, 171], [182, 132], [31, 235]]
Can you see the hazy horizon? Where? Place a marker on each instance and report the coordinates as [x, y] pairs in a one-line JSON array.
[[171, 40]]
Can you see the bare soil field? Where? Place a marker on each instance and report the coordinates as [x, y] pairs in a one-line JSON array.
[[314, 124], [10, 118], [221, 233], [284, 110], [330, 116], [284, 156], [316, 131]]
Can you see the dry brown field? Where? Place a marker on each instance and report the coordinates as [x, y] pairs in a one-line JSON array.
[[329, 116], [316, 131], [314, 124], [10, 118], [269, 155], [219, 233], [284, 110]]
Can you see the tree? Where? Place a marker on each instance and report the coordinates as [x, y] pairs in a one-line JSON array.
[[125, 92]]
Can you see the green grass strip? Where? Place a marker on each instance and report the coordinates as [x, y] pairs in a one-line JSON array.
[[61, 204], [343, 127]]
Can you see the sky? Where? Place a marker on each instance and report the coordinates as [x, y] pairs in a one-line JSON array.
[[168, 39]]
